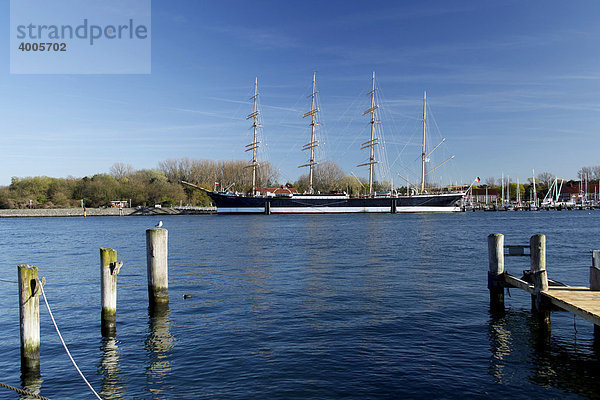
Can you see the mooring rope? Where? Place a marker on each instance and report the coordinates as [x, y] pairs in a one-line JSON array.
[[23, 392], [64, 344], [6, 280]]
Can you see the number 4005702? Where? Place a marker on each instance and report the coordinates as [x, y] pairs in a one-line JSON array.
[[43, 46]]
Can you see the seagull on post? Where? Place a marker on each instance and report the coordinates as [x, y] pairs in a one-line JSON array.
[[159, 224]]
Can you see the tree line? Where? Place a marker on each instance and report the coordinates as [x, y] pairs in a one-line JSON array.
[[235, 176], [142, 187], [162, 185]]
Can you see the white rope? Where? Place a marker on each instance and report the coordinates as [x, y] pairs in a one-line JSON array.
[[65, 346]]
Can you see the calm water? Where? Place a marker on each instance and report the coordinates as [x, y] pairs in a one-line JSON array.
[[340, 306]]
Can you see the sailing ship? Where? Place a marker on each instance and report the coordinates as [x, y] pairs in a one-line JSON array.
[[289, 202]]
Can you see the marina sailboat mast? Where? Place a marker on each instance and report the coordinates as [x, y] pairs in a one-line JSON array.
[[254, 145], [313, 140], [371, 143], [423, 151]]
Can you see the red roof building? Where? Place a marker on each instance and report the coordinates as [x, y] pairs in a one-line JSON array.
[[575, 192], [483, 195]]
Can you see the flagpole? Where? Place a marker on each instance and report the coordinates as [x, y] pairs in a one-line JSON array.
[[471, 185]]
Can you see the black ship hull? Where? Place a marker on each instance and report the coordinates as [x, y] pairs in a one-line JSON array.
[[324, 204]]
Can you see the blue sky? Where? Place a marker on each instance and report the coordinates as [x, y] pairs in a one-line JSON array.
[[512, 86]]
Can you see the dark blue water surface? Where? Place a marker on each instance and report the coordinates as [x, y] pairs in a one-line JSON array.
[[302, 306]]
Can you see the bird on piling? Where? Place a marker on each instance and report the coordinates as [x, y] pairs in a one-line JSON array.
[[159, 224]]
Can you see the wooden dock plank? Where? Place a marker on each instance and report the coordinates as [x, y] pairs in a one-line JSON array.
[[581, 301], [513, 281]]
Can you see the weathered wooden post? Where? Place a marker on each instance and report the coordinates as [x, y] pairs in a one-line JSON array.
[[109, 268], [29, 316], [157, 265], [537, 244], [496, 262], [595, 283], [595, 271]]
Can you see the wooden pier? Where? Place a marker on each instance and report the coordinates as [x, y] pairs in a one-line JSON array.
[[547, 295]]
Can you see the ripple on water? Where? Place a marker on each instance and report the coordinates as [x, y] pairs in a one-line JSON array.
[[354, 306]]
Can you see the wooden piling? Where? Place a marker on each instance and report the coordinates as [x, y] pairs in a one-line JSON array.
[[157, 265], [29, 316], [595, 271], [496, 269], [537, 244], [109, 268], [595, 284]]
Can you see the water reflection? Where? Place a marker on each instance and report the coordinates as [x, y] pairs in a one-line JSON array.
[[257, 273], [500, 343], [31, 381], [112, 388], [316, 281], [523, 351], [158, 343]]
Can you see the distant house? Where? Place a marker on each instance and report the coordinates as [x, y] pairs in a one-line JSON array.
[[575, 192], [483, 195]]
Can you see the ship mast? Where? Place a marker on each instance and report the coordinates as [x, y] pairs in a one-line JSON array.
[[313, 141], [423, 154], [371, 143], [254, 145]]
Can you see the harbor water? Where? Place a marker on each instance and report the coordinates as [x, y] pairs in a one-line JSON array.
[[302, 306]]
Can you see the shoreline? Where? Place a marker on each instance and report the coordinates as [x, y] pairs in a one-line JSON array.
[[103, 212]]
